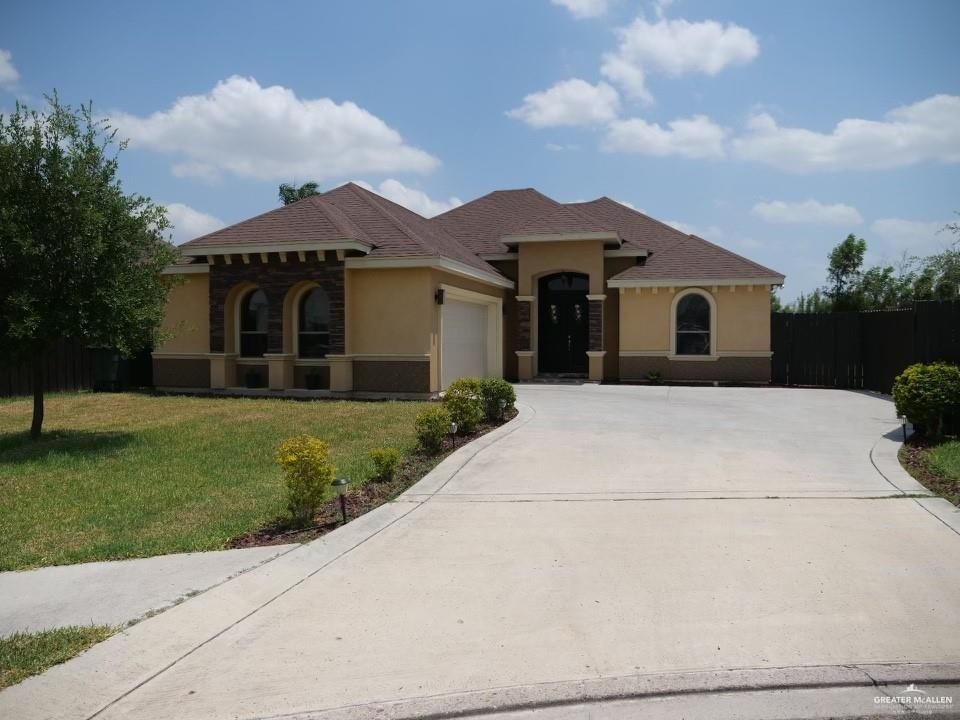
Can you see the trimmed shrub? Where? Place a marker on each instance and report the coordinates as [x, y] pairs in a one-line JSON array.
[[432, 425], [464, 401], [492, 392], [385, 462], [925, 393], [307, 474]]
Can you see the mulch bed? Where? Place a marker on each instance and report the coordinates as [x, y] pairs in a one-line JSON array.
[[360, 499], [913, 457]]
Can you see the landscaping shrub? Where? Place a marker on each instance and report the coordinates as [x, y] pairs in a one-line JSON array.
[[464, 402], [307, 473], [925, 393], [492, 391], [385, 462], [432, 425]]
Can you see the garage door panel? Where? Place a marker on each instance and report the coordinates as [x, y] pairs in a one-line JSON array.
[[464, 341]]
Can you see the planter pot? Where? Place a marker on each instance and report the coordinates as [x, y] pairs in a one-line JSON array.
[[254, 379], [314, 381]]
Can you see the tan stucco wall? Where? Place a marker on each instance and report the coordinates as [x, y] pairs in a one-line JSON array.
[[537, 259], [743, 319], [390, 311], [187, 316]]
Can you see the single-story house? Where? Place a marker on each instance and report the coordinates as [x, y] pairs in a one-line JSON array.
[[348, 291]]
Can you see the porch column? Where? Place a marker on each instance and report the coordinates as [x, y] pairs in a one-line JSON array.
[[223, 370], [280, 370], [524, 337], [595, 346], [341, 372]]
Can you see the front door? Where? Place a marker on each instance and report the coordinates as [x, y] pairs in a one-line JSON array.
[[563, 323]]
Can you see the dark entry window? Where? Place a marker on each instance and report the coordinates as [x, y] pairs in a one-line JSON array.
[[693, 325], [313, 340], [254, 312]]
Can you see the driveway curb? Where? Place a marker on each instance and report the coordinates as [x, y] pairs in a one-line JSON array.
[[638, 687]]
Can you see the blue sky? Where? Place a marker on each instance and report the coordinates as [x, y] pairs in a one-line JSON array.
[[772, 128]]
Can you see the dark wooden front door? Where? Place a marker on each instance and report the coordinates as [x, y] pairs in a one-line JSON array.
[[563, 323]]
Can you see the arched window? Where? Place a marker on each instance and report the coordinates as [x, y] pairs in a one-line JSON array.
[[254, 312], [693, 325], [313, 340]]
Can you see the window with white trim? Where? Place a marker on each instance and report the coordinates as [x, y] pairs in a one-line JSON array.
[[693, 325]]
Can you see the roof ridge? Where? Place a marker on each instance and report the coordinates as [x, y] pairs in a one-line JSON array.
[[339, 218], [240, 222], [368, 197], [668, 226]]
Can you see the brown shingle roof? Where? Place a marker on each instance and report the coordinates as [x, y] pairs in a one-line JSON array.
[[481, 224], [348, 212], [673, 254]]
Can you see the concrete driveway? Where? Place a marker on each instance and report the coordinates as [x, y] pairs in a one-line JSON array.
[[612, 543]]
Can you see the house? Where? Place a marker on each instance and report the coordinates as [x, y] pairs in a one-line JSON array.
[[348, 291]]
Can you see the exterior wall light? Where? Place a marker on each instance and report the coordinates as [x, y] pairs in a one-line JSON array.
[[439, 295], [341, 487]]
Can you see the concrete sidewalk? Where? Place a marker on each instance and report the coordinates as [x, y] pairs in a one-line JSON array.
[[116, 592], [607, 575]]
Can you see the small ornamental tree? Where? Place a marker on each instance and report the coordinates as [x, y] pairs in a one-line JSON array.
[[80, 259]]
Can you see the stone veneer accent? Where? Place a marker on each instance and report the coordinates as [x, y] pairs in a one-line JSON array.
[[275, 279], [523, 325], [729, 369], [391, 376], [595, 316], [181, 372]]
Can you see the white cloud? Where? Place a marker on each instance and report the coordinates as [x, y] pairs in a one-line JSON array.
[[675, 47], [189, 223], [9, 77], [582, 9], [808, 211], [557, 147], [693, 137], [570, 102], [411, 198], [926, 130], [268, 133], [711, 232], [914, 237]]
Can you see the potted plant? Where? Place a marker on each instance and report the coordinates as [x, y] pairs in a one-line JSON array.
[[254, 379], [314, 380]]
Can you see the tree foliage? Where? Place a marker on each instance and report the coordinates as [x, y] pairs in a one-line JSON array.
[[79, 258], [883, 287], [291, 193]]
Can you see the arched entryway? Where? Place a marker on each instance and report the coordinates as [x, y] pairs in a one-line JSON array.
[[563, 327]]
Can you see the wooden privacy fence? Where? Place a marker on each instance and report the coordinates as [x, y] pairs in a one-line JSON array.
[[70, 366], [862, 350]]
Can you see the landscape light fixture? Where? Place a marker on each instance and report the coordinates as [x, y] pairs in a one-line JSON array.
[[503, 406], [903, 425], [341, 488], [453, 433]]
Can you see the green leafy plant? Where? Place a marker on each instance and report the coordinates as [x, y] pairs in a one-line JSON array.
[[655, 377], [432, 425], [385, 461], [307, 473], [464, 402], [493, 391], [925, 393]]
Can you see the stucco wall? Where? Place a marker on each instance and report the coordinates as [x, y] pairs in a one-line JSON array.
[[583, 256], [390, 311], [743, 319], [187, 316]]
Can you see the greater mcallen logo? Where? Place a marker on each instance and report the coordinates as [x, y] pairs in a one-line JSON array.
[[915, 697]]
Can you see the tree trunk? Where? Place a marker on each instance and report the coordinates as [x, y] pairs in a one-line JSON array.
[[37, 424]]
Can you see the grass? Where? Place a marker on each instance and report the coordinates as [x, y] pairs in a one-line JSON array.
[[134, 475], [935, 466], [26, 654]]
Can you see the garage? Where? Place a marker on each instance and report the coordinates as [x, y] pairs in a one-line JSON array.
[[463, 350]]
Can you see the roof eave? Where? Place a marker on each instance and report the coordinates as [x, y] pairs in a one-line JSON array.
[[251, 248], [440, 263], [615, 282], [611, 239]]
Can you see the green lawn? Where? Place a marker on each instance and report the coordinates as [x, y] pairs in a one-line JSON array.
[[26, 654], [936, 466], [133, 475]]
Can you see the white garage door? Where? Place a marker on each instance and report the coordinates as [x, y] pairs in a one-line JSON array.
[[464, 341]]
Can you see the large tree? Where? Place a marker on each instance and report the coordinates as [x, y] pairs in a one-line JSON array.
[[844, 272], [80, 259], [291, 193]]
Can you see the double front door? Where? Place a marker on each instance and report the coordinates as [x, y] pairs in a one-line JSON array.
[[563, 326]]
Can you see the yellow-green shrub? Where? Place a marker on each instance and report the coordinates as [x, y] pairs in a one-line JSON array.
[[385, 462], [925, 393], [464, 401], [307, 473], [432, 425], [493, 391]]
